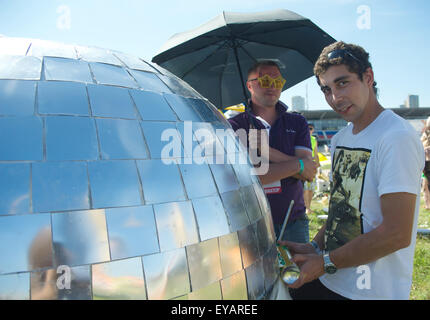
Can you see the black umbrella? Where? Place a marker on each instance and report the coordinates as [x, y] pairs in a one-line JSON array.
[[215, 57]]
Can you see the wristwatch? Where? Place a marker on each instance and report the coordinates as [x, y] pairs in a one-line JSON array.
[[329, 266]]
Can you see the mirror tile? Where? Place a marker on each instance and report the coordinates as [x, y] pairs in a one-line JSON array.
[[231, 260], [251, 203], [133, 62], [224, 177], [181, 88], [80, 237], [205, 111], [163, 139], [25, 242], [211, 217], [17, 97], [132, 231], [42, 48], [255, 280], [201, 173], [121, 139], [235, 209], [114, 184], [119, 280], [161, 182], [112, 75], [248, 245], [61, 69], [234, 287], [176, 225], [149, 81], [210, 292], [205, 135], [59, 186], [166, 274], [71, 138], [20, 68], [182, 108], [15, 286], [94, 54], [152, 106], [59, 97], [262, 236], [111, 102], [63, 283], [204, 263], [271, 267], [15, 194], [21, 138]]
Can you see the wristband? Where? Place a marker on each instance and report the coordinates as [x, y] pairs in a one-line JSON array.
[[302, 166], [316, 247]]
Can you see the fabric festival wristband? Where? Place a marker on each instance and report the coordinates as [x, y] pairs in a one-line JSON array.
[[302, 166]]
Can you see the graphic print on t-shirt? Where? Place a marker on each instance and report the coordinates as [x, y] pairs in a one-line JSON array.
[[344, 221]]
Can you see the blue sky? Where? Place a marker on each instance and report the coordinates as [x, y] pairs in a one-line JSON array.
[[394, 32]]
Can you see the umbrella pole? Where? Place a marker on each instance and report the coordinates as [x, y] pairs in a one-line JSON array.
[[240, 73]]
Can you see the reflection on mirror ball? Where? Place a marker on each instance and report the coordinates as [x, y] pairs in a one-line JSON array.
[[107, 193]]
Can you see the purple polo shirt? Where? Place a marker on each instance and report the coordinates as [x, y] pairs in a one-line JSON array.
[[290, 131]]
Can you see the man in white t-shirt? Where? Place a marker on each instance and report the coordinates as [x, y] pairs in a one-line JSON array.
[[366, 248]]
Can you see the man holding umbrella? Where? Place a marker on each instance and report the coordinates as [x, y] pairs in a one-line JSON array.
[[290, 153]]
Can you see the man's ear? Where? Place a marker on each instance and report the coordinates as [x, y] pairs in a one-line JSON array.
[[368, 77]]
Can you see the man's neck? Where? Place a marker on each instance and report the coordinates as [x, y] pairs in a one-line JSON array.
[[373, 111], [268, 113]]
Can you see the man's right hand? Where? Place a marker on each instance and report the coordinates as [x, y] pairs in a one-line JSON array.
[[309, 169]]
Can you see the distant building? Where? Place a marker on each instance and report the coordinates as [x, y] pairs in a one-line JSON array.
[[412, 101], [298, 103]]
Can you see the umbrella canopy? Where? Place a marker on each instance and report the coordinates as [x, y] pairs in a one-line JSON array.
[[215, 57]]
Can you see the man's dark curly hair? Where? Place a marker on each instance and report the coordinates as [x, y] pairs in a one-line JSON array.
[[354, 66]]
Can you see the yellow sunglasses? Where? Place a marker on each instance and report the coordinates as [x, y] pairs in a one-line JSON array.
[[267, 81]]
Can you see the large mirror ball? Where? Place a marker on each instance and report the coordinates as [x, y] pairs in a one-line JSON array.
[[120, 181]]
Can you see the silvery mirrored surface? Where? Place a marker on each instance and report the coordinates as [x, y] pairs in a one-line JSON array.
[[152, 106], [25, 243], [60, 186], [166, 274], [231, 258], [204, 263], [21, 138], [149, 81], [66, 70], [111, 102], [191, 174], [125, 279], [210, 292], [80, 237], [251, 203], [161, 182], [235, 210], [42, 48], [17, 98], [114, 184], [132, 231], [18, 67], [112, 75], [234, 287], [15, 286], [94, 54], [121, 139], [182, 108], [211, 217], [15, 194], [71, 138], [63, 283], [112, 170], [248, 245], [255, 282], [176, 225], [58, 97], [166, 132]]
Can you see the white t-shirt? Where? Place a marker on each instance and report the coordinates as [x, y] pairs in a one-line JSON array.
[[386, 157]]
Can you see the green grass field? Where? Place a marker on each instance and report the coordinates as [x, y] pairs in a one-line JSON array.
[[421, 275]]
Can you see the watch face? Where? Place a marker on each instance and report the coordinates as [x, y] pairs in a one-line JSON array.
[[330, 269]]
